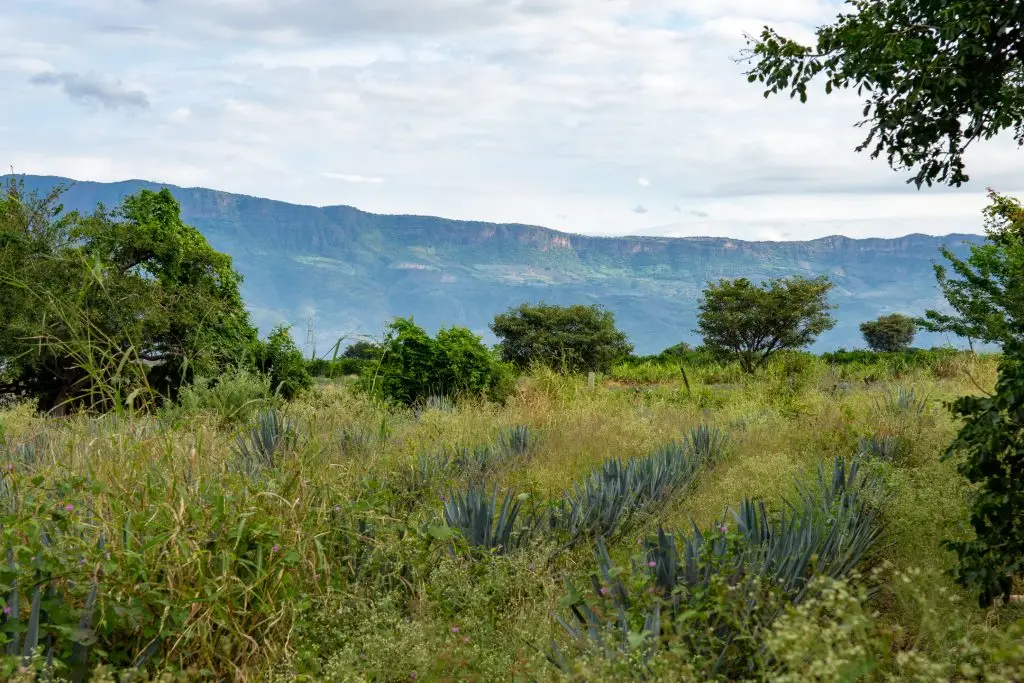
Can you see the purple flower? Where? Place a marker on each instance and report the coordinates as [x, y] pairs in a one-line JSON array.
[[724, 529], [7, 611], [531, 566], [275, 549], [603, 591], [652, 563], [413, 676], [455, 629], [69, 507]]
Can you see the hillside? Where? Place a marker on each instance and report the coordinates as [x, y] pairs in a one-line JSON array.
[[352, 270]]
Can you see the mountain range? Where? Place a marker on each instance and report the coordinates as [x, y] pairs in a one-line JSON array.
[[350, 271]]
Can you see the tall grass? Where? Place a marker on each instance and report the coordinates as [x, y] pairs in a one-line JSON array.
[[317, 545]]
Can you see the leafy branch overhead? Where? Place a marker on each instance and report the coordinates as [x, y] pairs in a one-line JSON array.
[[938, 76]]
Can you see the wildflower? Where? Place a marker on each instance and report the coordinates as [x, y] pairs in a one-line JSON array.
[[455, 629], [531, 566], [652, 563], [276, 548], [69, 507], [7, 611], [603, 591], [724, 529], [412, 676]]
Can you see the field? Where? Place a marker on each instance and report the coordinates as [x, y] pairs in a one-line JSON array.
[[309, 540]]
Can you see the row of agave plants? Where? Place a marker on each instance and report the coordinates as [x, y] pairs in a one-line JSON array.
[[600, 505], [716, 591]]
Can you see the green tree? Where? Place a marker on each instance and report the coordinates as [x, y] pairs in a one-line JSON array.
[[751, 323], [988, 296], [98, 306], [992, 439], [280, 359], [893, 332], [566, 338], [940, 75], [363, 350], [415, 366]]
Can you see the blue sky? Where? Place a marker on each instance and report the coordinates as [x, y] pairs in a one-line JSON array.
[[594, 116]]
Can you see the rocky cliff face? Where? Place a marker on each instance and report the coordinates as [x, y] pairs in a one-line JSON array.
[[353, 270]]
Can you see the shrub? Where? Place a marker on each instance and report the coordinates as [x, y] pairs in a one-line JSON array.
[[893, 332], [564, 338], [416, 366], [280, 359], [234, 395]]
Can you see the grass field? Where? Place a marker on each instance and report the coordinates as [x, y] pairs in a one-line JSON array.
[[316, 547]]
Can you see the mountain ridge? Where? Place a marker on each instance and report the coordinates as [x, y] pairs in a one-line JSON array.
[[351, 270]]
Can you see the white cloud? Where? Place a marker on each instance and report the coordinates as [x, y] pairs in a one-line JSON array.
[[532, 111], [353, 178]]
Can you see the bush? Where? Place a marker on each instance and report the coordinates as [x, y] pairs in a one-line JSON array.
[[279, 358], [893, 332], [565, 338], [235, 395], [416, 366]]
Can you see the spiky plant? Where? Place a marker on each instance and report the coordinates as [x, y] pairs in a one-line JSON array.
[[831, 527], [708, 443], [260, 447], [518, 441], [881, 447], [486, 524], [904, 401]]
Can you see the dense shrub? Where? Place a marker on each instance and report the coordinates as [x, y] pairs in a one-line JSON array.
[[416, 366], [280, 359], [565, 338]]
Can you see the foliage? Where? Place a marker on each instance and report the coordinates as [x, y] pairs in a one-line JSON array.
[[893, 332], [416, 366], [280, 359], [486, 524], [352, 361], [753, 322], [988, 297], [992, 438], [235, 395], [565, 338], [940, 76], [719, 593], [100, 306]]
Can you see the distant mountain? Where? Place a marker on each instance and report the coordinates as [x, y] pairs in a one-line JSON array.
[[352, 271]]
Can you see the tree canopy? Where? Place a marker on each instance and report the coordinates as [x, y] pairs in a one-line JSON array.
[[111, 302], [565, 338], [939, 76], [988, 295], [893, 332], [751, 323]]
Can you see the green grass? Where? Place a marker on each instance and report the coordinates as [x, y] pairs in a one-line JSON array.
[[327, 564]]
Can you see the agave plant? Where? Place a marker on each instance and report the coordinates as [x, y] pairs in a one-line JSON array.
[[829, 530], [261, 446], [516, 442], [905, 401], [600, 505], [708, 443], [881, 447], [484, 523]]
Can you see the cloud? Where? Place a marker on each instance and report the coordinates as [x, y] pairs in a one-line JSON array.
[[352, 178], [91, 89], [639, 208], [530, 111]]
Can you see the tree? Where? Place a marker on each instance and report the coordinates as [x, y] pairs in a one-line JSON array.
[[988, 297], [992, 438], [415, 366], [279, 358], [941, 75], [100, 306], [566, 338], [363, 350], [751, 323], [893, 332]]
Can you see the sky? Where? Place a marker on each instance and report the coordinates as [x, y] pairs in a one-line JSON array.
[[602, 117]]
